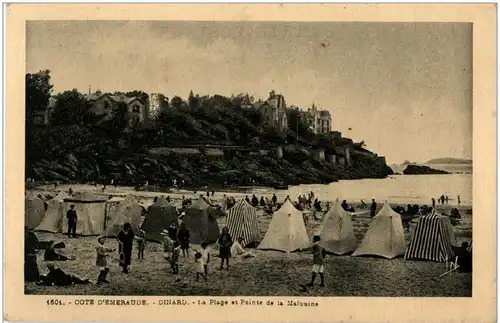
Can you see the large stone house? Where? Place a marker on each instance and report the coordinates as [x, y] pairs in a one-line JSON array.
[[319, 120], [43, 117], [274, 111], [104, 105]]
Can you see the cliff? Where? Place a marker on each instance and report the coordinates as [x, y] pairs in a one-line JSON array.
[[422, 170], [85, 153]]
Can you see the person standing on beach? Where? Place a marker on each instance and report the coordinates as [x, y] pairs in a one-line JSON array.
[[225, 242], [373, 208], [433, 202], [205, 256], [183, 237], [275, 199], [200, 266], [318, 262], [458, 200], [446, 199], [126, 241], [101, 260], [72, 220], [141, 243]]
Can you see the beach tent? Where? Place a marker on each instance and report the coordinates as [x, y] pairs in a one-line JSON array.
[[34, 210], [159, 217], [55, 214], [337, 232], [433, 239], [128, 210], [90, 210], [287, 231], [242, 222], [201, 220], [384, 237]]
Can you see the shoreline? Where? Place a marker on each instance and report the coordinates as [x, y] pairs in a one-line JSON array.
[[176, 195]]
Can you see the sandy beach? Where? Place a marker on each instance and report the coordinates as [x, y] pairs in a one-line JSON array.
[[270, 273]]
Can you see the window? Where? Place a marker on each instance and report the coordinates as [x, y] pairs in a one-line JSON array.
[[136, 109]]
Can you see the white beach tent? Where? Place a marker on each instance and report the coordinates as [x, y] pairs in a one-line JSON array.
[[287, 231], [90, 211], [337, 232], [34, 211], [128, 210], [384, 237], [55, 214], [433, 239]]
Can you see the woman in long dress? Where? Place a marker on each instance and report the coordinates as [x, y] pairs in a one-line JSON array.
[[225, 242]]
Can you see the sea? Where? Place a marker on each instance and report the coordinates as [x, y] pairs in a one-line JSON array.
[[397, 189]]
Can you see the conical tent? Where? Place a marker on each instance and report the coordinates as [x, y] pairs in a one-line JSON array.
[[90, 211], [384, 237], [34, 210], [160, 216], [433, 239], [337, 232], [242, 222], [127, 210], [201, 220], [287, 231], [52, 221]]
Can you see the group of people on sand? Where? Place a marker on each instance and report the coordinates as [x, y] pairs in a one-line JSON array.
[[443, 199]]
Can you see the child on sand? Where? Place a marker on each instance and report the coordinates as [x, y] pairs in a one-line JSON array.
[[318, 262], [141, 243], [174, 258], [200, 266], [101, 260], [205, 256]]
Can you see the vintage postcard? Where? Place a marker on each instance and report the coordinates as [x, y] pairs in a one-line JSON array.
[[250, 162]]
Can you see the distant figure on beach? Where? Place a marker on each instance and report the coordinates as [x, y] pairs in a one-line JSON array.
[[172, 229], [225, 242], [200, 266], [346, 206], [318, 262], [458, 200], [183, 237], [72, 220], [70, 191], [155, 199], [442, 199], [262, 201], [247, 199], [168, 198], [373, 208], [433, 202], [255, 201], [446, 199], [274, 199], [126, 241]]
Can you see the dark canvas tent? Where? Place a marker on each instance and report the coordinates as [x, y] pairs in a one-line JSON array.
[[159, 217], [201, 220], [34, 210]]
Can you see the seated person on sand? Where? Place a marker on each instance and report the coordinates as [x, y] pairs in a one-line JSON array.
[[52, 255], [58, 277], [238, 251], [347, 207]]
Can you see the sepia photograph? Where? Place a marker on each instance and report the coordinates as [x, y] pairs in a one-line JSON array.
[[248, 158], [251, 162]]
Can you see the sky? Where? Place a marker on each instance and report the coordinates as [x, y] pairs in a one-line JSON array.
[[403, 88]]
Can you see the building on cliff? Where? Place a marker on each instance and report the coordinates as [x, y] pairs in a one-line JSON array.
[[43, 117], [105, 105], [274, 111], [319, 120]]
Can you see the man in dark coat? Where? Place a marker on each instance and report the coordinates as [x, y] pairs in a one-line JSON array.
[[373, 208], [183, 236], [126, 242], [72, 220]]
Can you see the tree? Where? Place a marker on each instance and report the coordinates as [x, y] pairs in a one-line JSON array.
[[71, 108], [177, 102], [193, 101], [38, 91], [298, 124], [119, 121]]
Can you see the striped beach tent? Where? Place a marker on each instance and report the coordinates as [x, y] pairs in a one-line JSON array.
[[385, 236], [433, 239], [242, 222]]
